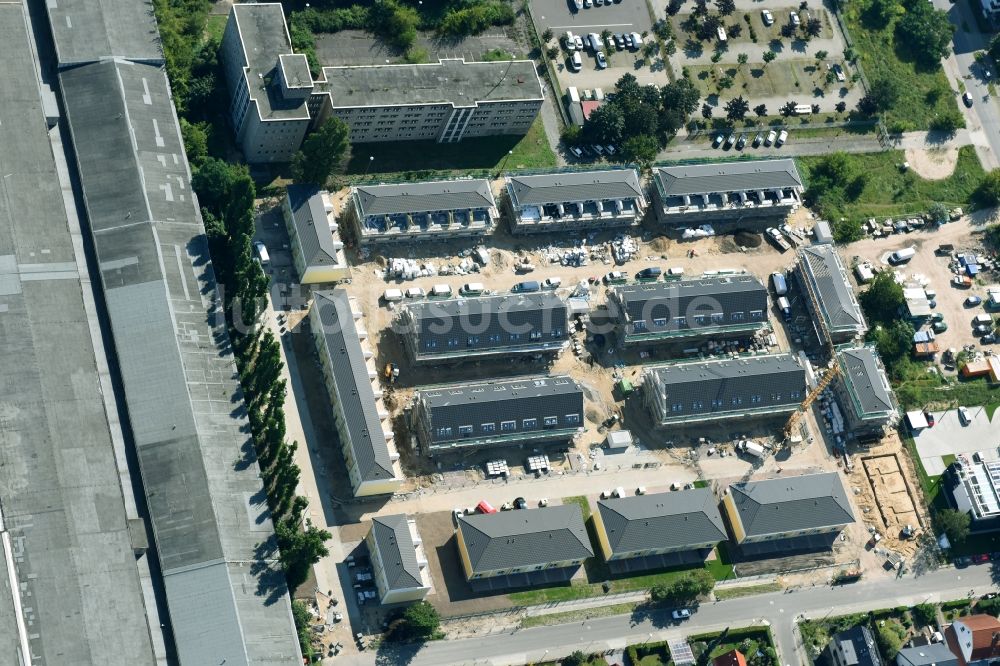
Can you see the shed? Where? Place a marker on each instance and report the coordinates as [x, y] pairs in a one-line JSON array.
[[824, 233], [618, 441], [916, 420]]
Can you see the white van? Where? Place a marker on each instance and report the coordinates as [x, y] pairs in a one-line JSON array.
[[781, 138], [262, 255], [575, 61], [392, 296], [441, 290], [982, 320], [594, 40], [779, 283], [902, 256], [415, 292], [551, 283], [786, 308]]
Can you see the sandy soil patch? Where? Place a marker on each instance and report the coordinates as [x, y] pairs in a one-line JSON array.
[[933, 164]]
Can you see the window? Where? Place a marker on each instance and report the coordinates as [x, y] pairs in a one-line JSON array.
[[473, 340], [444, 432], [431, 344], [677, 407], [550, 421], [572, 418], [794, 395], [660, 322], [514, 337], [755, 399], [756, 314], [697, 404], [453, 342], [639, 325], [465, 430], [737, 400], [718, 317], [716, 403], [737, 316], [529, 424], [488, 427], [680, 322], [508, 425]]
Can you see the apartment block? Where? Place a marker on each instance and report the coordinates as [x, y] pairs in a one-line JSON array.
[[314, 237], [528, 547], [398, 560], [363, 428], [830, 299], [718, 306], [694, 392], [574, 200], [973, 487], [863, 391], [274, 100], [787, 514], [658, 530], [472, 329], [726, 192], [525, 411], [406, 212]]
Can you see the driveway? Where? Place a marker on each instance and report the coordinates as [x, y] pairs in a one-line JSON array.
[[950, 437]]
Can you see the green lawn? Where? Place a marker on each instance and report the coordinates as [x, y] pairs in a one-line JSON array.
[[888, 191], [931, 485], [924, 92], [422, 159], [215, 25], [759, 637], [583, 590], [801, 80]]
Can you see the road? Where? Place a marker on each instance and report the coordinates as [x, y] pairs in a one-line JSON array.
[[983, 119], [777, 609]]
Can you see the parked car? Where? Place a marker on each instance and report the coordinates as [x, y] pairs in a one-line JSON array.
[[415, 292], [578, 40], [769, 139], [650, 273], [981, 329], [570, 41], [551, 283], [794, 19], [636, 40], [730, 140], [782, 137], [576, 151], [741, 142], [627, 38], [930, 418], [718, 140], [964, 416], [988, 339], [767, 17], [578, 4], [262, 255], [757, 140], [681, 614], [967, 99], [973, 301], [597, 149], [940, 326], [525, 287], [619, 42], [602, 62], [615, 277], [611, 149], [575, 62]]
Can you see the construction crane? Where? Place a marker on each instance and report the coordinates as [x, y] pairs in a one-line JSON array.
[[793, 420]]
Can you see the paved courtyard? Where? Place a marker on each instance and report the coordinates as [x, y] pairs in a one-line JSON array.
[[949, 437]]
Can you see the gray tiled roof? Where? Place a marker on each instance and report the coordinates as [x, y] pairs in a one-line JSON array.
[[866, 380], [717, 177], [350, 372], [498, 401], [717, 387], [829, 279], [792, 503], [858, 646], [310, 219], [934, 654], [397, 551], [445, 195], [662, 520], [689, 298], [489, 322], [525, 538], [573, 186]]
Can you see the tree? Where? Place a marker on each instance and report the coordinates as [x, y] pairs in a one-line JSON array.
[[737, 108], [924, 615], [883, 94], [890, 634], [788, 31], [947, 122], [577, 658], [321, 152], [547, 35], [988, 192], [395, 23], [926, 31], [195, 137], [419, 622], [841, 106], [700, 8], [674, 6], [303, 624], [883, 300], [821, 55], [641, 149], [788, 108], [300, 549], [681, 96], [706, 110], [769, 56], [709, 28], [726, 7], [954, 524], [683, 589], [881, 12], [813, 27], [742, 58], [552, 53], [760, 110], [605, 125]]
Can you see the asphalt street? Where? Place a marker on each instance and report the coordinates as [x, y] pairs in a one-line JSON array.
[[777, 609]]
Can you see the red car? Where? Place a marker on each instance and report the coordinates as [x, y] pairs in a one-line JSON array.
[[930, 419], [981, 558]]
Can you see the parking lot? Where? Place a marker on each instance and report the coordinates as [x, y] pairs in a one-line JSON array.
[[616, 17], [949, 438]]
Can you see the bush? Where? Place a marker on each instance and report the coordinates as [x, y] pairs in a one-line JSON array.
[[475, 19]]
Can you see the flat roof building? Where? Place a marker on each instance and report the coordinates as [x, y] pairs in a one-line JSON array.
[[522, 548], [472, 329], [275, 101], [524, 411], [398, 560], [716, 306], [365, 435], [689, 194], [88, 30], [317, 252], [787, 514], [576, 200], [701, 391], [830, 299], [405, 212], [862, 388], [973, 487], [658, 530]]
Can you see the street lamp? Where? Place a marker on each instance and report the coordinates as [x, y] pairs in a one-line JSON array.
[[371, 158], [504, 163]]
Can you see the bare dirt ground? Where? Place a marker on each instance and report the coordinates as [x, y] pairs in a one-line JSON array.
[[932, 164]]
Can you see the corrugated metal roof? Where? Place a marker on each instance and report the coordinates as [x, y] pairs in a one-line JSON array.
[[662, 520], [89, 30], [311, 225], [396, 551], [838, 306], [866, 380], [350, 372], [428, 197], [525, 538], [489, 322], [727, 177], [572, 186], [667, 301], [792, 504], [494, 403], [723, 386]]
